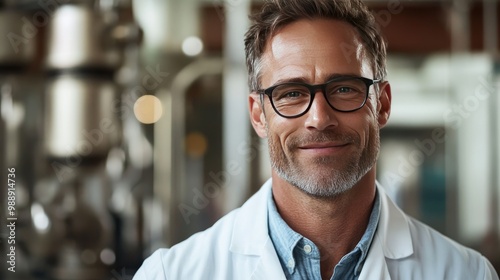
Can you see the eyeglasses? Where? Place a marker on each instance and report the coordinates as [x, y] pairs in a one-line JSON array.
[[344, 94]]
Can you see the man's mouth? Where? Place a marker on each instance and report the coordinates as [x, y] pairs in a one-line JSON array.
[[325, 145], [323, 149]]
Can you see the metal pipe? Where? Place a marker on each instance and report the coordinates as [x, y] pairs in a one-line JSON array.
[[460, 37], [169, 161], [236, 126], [490, 27], [460, 26]]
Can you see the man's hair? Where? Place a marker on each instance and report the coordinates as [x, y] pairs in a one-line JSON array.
[[278, 13]]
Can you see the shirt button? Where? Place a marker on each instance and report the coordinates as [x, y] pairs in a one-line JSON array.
[[307, 249], [291, 263]]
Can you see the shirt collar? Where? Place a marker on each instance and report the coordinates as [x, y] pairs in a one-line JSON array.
[[367, 238], [286, 239]]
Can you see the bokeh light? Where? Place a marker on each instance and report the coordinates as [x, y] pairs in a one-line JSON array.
[[148, 109]]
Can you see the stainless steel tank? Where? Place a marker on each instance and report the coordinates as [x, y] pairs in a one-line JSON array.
[[78, 37], [79, 118]]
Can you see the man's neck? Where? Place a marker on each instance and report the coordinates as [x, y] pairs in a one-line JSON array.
[[335, 224]]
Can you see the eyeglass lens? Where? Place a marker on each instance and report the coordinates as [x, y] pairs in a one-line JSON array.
[[343, 95]]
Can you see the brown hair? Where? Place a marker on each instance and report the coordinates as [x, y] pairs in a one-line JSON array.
[[278, 13]]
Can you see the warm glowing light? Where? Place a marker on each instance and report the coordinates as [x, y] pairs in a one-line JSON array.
[[196, 144], [148, 109]]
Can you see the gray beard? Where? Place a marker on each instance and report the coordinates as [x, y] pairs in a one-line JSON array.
[[325, 183]]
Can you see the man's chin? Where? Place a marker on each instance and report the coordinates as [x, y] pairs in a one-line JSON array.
[[320, 184], [322, 191]]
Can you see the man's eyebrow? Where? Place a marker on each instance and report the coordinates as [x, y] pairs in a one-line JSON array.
[[304, 80], [290, 80], [345, 75]]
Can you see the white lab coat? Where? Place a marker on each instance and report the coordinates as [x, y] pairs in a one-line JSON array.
[[238, 247]]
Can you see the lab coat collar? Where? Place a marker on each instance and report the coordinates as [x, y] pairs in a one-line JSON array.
[[250, 233], [250, 236], [391, 241], [268, 266], [393, 229]]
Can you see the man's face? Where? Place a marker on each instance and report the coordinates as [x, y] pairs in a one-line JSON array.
[[324, 152]]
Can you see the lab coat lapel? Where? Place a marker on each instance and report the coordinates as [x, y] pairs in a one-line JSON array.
[[391, 241], [393, 229], [251, 238], [375, 266], [250, 232], [269, 266]]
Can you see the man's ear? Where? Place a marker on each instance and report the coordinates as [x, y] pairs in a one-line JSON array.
[[384, 103], [257, 114]]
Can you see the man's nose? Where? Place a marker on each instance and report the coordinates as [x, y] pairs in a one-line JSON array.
[[320, 116]]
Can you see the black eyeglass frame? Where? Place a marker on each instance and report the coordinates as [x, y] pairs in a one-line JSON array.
[[314, 88]]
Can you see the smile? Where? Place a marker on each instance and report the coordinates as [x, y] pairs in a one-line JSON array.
[[323, 148]]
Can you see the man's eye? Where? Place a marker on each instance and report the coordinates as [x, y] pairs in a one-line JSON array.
[[291, 94], [345, 90]]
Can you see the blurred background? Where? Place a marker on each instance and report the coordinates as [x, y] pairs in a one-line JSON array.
[[127, 125]]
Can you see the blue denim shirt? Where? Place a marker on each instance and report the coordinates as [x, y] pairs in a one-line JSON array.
[[300, 257]]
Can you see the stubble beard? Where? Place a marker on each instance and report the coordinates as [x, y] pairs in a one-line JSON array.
[[329, 176]]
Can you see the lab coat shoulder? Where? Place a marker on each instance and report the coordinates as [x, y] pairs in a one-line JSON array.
[[229, 249], [198, 257], [413, 250], [436, 256]]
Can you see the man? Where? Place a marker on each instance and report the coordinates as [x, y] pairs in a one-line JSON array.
[[319, 95]]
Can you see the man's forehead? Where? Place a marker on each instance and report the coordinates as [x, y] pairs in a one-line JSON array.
[[312, 42], [323, 30]]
